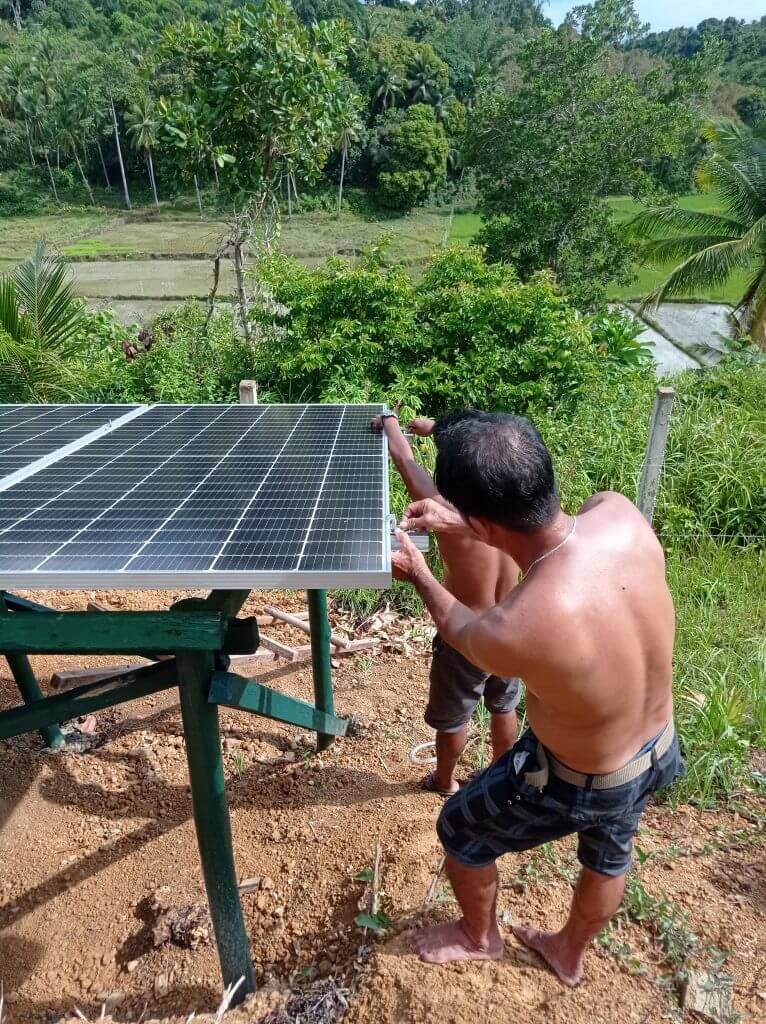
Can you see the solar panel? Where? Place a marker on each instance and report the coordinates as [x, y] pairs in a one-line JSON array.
[[32, 432], [215, 495]]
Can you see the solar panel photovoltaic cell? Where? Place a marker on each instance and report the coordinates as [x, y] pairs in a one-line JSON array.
[[28, 433], [207, 495]]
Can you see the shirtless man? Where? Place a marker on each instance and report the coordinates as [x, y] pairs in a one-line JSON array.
[[590, 629], [478, 576]]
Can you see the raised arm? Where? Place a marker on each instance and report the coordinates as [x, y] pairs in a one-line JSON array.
[[417, 481]]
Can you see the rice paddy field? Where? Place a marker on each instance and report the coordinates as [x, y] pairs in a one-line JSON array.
[[143, 261]]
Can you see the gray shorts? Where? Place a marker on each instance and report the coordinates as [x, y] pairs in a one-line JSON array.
[[457, 686]]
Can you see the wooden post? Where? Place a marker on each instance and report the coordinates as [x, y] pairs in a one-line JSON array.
[[248, 392], [202, 736], [320, 659], [654, 455]]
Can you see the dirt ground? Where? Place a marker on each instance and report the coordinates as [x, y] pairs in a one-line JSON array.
[[89, 841]]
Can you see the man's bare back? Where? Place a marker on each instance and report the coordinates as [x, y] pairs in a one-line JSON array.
[[597, 623]]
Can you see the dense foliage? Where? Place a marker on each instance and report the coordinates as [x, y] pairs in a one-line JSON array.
[[411, 156], [744, 46], [574, 131], [467, 333]]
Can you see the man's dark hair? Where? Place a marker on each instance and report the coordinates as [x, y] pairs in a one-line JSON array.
[[496, 466], [449, 419]]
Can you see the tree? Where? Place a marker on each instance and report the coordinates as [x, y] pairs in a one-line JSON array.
[[41, 323], [712, 246], [412, 157], [548, 154], [422, 83], [388, 89], [261, 94], [143, 129], [349, 132]]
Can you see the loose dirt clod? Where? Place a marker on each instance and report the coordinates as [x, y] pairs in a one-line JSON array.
[[188, 927], [324, 1003]]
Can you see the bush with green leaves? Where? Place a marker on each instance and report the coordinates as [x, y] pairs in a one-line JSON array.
[[411, 155], [177, 361], [468, 333]]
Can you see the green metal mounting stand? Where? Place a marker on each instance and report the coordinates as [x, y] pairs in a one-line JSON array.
[[200, 633]]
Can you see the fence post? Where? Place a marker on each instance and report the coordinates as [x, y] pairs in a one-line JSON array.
[[248, 392], [654, 455]]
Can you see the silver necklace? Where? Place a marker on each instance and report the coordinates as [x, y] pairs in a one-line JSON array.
[[552, 550]]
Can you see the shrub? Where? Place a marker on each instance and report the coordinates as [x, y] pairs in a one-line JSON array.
[[176, 361], [467, 334], [412, 157]]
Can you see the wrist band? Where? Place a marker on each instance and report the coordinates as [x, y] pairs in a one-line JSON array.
[[389, 416]]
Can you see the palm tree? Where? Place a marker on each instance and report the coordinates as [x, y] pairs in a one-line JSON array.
[[349, 133], [41, 339], [421, 85], [74, 121], [143, 127], [712, 246], [14, 88], [388, 89]]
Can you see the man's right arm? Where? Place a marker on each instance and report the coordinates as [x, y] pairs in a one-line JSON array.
[[418, 482]]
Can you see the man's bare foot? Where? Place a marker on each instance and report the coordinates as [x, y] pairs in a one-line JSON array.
[[549, 946], [447, 942]]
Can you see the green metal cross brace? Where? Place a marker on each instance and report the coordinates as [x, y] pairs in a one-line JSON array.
[[320, 659], [211, 818], [28, 686]]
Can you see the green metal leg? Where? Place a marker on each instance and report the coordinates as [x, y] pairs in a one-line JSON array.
[[211, 819], [30, 691], [28, 686], [320, 659]]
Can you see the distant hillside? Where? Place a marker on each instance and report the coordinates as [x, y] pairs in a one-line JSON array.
[[744, 42]]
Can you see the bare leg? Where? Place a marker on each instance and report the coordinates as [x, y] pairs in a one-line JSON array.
[[595, 899], [476, 935], [449, 747], [504, 728]]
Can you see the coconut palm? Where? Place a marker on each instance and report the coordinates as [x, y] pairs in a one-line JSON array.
[[75, 121], [143, 127], [349, 132], [422, 87], [712, 246], [41, 340], [388, 89]]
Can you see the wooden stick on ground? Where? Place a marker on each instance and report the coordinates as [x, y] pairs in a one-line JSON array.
[[300, 623], [431, 891], [375, 894]]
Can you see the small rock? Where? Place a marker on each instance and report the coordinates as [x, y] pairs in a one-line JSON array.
[[161, 985], [324, 966], [506, 919], [114, 999], [262, 903], [250, 884], [709, 996], [290, 756], [267, 883], [131, 966]]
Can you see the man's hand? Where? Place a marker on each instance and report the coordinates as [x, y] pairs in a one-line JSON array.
[[421, 426], [407, 563], [431, 514]]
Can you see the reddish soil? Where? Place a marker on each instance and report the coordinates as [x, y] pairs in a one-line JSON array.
[[87, 841]]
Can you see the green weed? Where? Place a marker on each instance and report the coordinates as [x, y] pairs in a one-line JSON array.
[[240, 763]]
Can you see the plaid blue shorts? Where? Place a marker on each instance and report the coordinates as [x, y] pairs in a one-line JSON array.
[[498, 812]]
